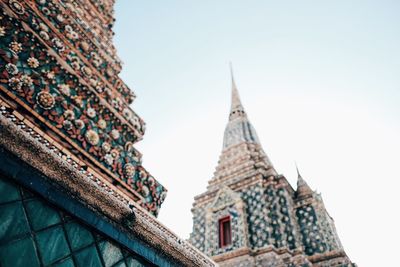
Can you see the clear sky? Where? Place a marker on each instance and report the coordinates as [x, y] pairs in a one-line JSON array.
[[319, 80]]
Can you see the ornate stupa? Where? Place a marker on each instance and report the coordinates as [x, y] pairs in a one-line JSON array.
[[73, 191], [251, 216]]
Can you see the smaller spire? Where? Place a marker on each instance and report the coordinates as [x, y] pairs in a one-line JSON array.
[[236, 105], [303, 189], [298, 172]]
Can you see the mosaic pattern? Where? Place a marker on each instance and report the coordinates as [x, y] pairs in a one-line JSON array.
[[279, 209], [272, 219], [312, 240], [63, 71], [317, 228], [61, 96], [278, 220], [34, 233], [197, 237], [227, 203], [257, 220], [327, 226]]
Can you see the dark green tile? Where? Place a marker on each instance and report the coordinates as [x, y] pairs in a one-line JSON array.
[[64, 263], [41, 215], [111, 254], [19, 254], [88, 257], [52, 245], [8, 191], [12, 221], [131, 262], [78, 235]]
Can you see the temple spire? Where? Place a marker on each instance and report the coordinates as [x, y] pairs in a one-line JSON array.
[[303, 189], [239, 128], [237, 109]]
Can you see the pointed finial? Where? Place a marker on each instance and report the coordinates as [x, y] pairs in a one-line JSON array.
[[303, 188], [297, 169], [236, 105], [232, 76], [300, 180]]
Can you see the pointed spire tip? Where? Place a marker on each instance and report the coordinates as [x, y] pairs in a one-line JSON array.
[[237, 109], [232, 76], [302, 187], [297, 169]]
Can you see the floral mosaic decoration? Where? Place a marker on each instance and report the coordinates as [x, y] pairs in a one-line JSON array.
[[31, 71]]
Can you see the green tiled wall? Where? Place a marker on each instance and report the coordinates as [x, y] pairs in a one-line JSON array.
[[33, 233]]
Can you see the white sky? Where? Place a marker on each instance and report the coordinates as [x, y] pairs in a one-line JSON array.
[[319, 80]]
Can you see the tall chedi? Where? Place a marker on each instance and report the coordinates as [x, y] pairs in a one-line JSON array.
[[73, 190], [251, 216]]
